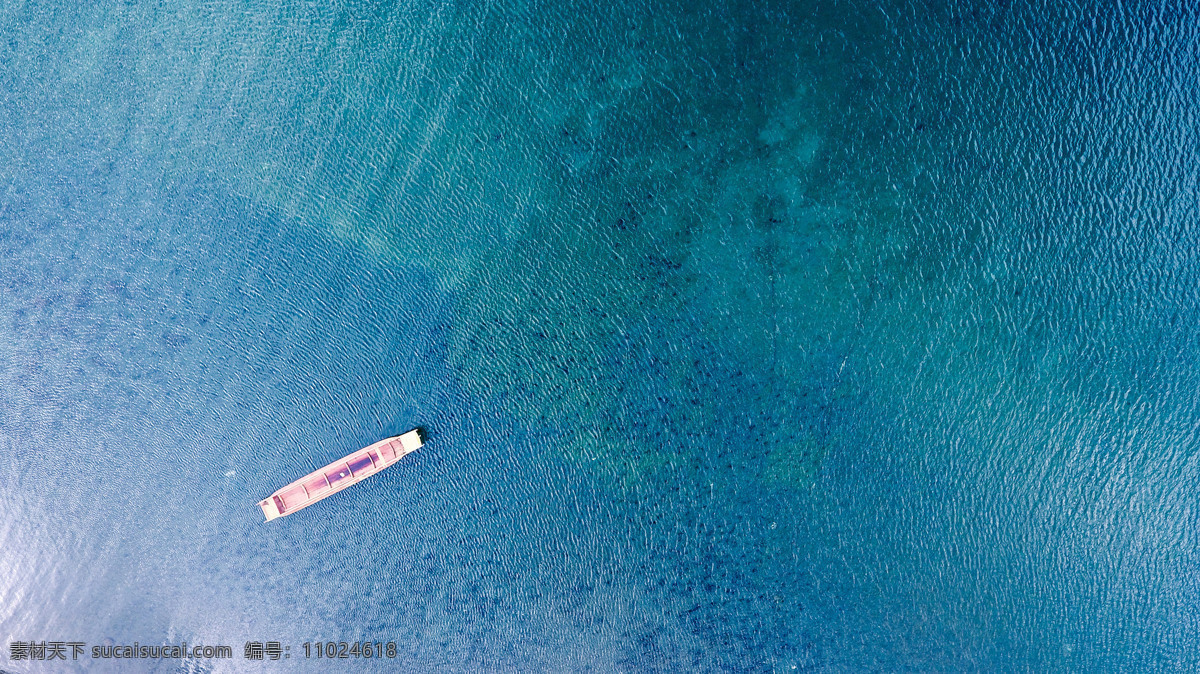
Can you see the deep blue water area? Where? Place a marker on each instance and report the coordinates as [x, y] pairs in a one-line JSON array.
[[747, 336]]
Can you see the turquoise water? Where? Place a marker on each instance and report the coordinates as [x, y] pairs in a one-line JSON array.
[[753, 336]]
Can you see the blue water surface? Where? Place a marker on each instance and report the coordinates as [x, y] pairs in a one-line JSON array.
[[754, 336]]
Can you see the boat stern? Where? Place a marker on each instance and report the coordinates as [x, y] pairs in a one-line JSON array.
[[411, 441]]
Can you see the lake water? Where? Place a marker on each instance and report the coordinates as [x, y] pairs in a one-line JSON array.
[[750, 336]]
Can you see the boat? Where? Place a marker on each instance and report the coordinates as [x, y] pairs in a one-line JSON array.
[[346, 471]]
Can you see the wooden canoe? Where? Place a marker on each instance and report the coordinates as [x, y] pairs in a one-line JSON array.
[[346, 471]]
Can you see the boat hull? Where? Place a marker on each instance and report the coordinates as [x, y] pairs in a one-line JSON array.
[[339, 475]]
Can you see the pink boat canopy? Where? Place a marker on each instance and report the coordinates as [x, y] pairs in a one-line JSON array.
[[340, 474]]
